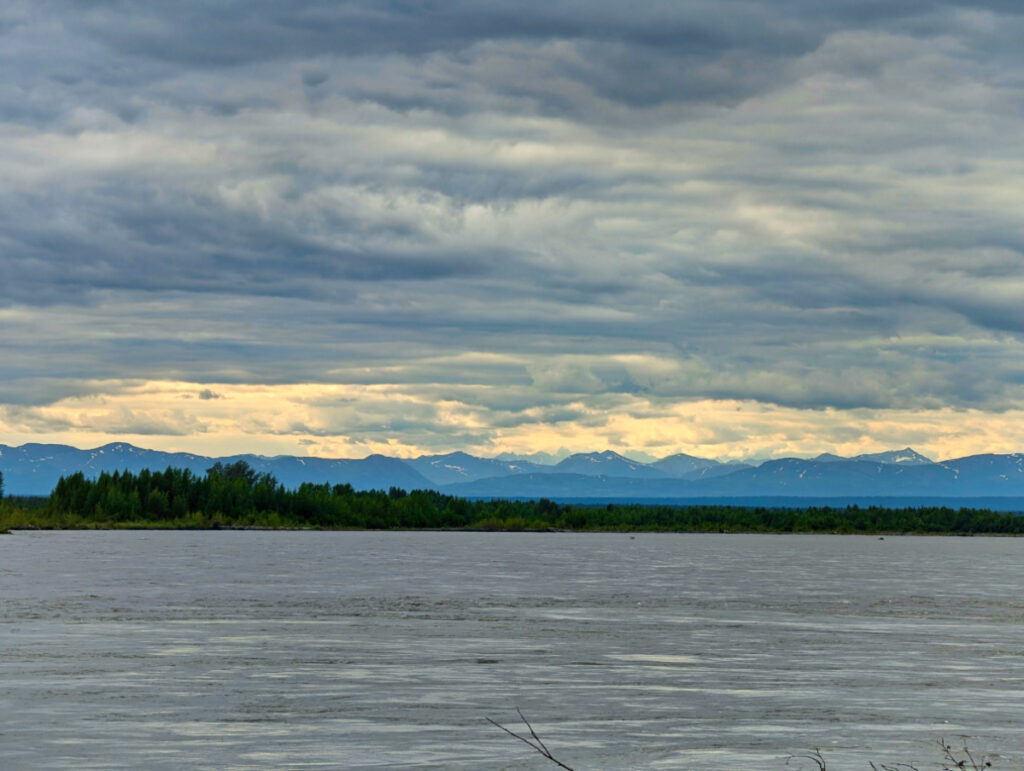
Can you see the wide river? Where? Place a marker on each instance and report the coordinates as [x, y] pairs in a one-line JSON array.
[[298, 650]]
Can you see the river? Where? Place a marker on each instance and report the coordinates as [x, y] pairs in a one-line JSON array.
[[352, 650]]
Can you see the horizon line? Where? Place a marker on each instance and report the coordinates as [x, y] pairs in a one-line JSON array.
[[525, 457]]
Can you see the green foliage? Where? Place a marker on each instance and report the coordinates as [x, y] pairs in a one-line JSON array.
[[236, 496], [237, 470]]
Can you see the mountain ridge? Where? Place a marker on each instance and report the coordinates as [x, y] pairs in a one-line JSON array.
[[34, 468]]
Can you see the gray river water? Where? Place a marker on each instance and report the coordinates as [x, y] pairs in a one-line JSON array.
[[257, 650]]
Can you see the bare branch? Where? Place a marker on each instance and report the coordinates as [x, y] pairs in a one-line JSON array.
[[536, 743], [954, 763], [815, 757], [532, 732]]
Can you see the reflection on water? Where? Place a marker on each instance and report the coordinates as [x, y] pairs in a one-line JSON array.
[[245, 650]]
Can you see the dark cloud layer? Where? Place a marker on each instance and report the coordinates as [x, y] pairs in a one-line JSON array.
[[800, 203]]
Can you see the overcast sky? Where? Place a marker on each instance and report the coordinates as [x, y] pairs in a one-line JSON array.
[[733, 229]]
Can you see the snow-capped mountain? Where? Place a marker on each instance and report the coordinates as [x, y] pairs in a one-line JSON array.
[[904, 457], [462, 467], [33, 469], [682, 466], [608, 464]]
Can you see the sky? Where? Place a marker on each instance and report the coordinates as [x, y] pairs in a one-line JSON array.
[[732, 229]]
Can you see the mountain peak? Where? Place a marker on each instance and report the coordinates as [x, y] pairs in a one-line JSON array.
[[607, 463], [119, 447], [829, 457], [603, 455], [905, 457], [456, 455]]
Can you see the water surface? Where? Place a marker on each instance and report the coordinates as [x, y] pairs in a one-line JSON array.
[[256, 650]]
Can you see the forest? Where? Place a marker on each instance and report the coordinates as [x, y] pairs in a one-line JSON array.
[[235, 496]]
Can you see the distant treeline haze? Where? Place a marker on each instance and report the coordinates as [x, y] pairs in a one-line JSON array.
[[235, 495]]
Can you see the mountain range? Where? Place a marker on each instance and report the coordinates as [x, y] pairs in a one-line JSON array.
[[33, 469]]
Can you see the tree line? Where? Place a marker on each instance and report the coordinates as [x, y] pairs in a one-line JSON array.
[[235, 495]]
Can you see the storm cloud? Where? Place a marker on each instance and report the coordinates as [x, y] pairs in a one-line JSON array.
[[510, 217]]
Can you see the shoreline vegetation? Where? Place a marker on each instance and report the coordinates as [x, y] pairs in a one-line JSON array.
[[234, 496]]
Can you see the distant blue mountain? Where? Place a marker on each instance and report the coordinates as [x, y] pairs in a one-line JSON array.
[[904, 457], [375, 472], [995, 472], [33, 469], [607, 464], [460, 467], [682, 466], [976, 477], [720, 470], [827, 457], [815, 478], [538, 458]]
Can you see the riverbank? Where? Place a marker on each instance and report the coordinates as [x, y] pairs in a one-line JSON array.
[[633, 519]]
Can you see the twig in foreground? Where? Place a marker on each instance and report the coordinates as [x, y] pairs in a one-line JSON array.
[[815, 757], [535, 742], [949, 754]]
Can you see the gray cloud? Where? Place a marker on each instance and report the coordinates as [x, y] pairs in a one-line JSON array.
[[817, 207]]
